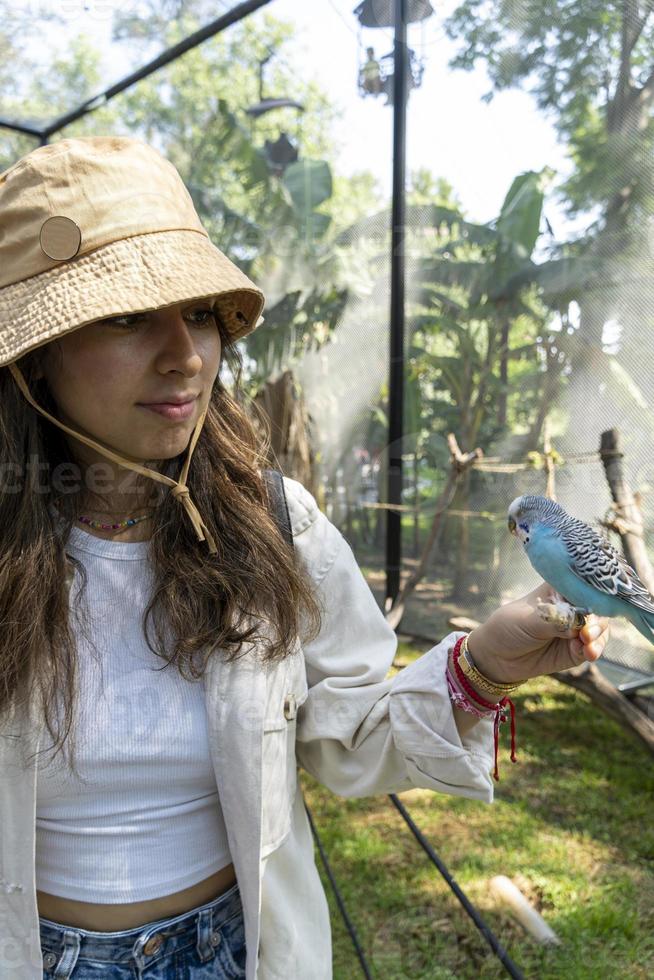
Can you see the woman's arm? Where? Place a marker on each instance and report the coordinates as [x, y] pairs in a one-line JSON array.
[[359, 732]]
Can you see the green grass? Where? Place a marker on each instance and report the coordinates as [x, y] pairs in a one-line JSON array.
[[571, 825]]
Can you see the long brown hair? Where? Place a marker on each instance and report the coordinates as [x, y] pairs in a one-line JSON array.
[[253, 591]]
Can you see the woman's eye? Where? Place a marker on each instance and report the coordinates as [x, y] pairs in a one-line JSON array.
[[133, 319], [122, 320], [206, 314]]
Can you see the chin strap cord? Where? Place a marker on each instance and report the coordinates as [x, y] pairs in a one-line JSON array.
[[179, 488]]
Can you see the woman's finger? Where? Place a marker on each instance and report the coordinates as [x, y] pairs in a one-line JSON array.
[[593, 628], [589, 646]]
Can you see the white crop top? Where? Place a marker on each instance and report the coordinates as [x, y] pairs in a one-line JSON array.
[[145, 820]]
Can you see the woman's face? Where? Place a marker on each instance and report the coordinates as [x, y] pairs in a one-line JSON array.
[[103, 375]]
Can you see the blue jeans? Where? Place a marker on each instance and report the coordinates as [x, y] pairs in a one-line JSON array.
[[207, 943]]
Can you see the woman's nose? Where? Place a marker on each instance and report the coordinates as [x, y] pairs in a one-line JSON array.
[[178, 349]]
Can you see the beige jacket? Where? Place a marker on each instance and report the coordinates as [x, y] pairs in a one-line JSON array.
[[328, 707]]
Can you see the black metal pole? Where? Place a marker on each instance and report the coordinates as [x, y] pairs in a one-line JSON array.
[[19, 127], [396, 379], [339, 898]]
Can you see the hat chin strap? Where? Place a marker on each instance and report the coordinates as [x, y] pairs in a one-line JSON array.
[[179, 489]]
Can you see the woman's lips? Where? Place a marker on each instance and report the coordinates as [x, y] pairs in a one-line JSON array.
[[177, 413]]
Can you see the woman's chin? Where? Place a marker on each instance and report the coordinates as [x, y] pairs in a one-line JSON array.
[[165, 449], [165, 446]]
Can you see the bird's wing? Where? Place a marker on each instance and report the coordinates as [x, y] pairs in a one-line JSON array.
[[595, 561]]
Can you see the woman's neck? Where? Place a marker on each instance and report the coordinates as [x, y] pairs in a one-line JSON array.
[[116, 493], [138, 510], [137, 532]]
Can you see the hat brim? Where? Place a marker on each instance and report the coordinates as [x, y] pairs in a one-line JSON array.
[[132, 275]]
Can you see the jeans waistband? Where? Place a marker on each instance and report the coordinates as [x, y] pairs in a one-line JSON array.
[[143, 942]]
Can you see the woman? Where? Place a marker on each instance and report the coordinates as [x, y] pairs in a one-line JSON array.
[[166, 657]]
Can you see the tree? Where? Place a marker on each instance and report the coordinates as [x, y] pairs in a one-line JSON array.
[[590, 66], [463, 342], [479, 282]]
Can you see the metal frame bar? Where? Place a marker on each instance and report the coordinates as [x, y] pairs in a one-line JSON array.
[[349, 925], [203, 34], [629, 687], [486, 932]]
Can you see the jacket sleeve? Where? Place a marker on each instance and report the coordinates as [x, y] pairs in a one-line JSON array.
[[359, 733]]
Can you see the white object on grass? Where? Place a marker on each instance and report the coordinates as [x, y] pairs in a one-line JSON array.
[[531, 920]]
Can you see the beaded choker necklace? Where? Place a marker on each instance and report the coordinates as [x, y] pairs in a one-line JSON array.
[[99, 526]]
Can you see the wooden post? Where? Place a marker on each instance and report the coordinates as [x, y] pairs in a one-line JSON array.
[[627, 519]]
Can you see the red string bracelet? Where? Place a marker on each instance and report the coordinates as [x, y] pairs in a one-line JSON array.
[[498, 707]]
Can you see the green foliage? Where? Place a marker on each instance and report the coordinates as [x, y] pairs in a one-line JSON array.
[[475, 287], [295, 325], [193, 110], [565, 53], [309, 182], [518, 224], [590, 66], [461, 295]]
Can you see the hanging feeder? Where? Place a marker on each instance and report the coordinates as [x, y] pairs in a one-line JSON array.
[[376, 75], [281, 152], [381, 13]]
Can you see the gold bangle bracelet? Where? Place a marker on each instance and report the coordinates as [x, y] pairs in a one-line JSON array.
[[472, 673]]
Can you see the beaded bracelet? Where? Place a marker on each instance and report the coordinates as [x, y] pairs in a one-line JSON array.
[[475, 700], [461, 700]]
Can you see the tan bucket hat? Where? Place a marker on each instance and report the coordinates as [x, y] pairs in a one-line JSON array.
[[104, 226]]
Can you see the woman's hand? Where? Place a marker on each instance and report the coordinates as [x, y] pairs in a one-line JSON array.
[[516, 643]]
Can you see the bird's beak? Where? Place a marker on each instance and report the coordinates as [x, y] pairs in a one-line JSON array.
[[511, 525]]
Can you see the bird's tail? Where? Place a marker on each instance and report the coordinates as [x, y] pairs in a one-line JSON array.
[[644, 623]]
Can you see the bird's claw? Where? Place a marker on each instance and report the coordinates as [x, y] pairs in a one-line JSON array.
[[580, 617], [562, 614]]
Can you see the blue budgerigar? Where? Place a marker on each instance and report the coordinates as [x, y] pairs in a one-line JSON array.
[[580, 564]]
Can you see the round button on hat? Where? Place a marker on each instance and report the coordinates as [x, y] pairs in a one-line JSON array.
[[60, 238]]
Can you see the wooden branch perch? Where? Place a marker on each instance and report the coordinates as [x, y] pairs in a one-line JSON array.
[[585, 678], [588, 679], [459, 463]]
